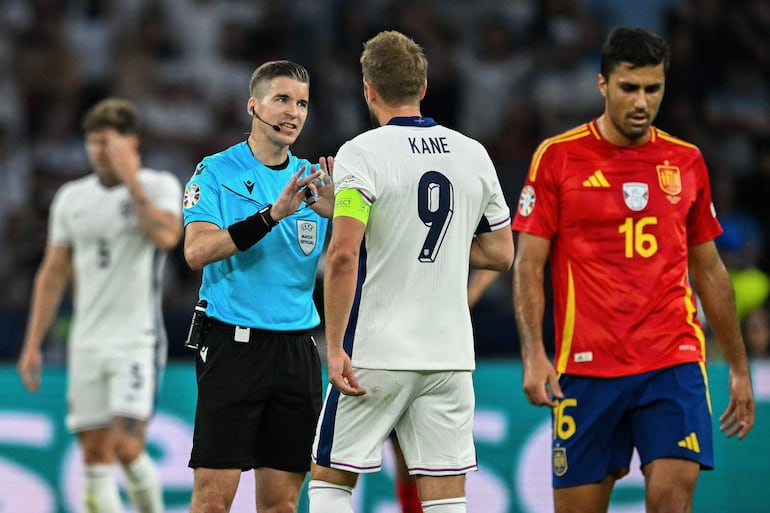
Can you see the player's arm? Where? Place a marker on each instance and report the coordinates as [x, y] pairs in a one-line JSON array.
[[539, 379], [164, 228], [478, 283], [51, 281], [712, 284], [206, 242], [351, 213], [492, 250]]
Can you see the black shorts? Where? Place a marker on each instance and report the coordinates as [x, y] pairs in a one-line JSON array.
[[258, 401]]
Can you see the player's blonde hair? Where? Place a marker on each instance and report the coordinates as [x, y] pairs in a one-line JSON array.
[[395, 66]]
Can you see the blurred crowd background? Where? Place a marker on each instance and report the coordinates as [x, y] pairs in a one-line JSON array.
[[507, 72]]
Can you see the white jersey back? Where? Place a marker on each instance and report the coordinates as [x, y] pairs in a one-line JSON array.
[[117, 268], [430, 188]]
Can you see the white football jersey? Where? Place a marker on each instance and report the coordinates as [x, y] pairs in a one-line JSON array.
[[117, 268], [430, 188]]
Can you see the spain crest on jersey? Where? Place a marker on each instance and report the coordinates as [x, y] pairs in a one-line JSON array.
[[307, 235], [636, 195], [669, 179]]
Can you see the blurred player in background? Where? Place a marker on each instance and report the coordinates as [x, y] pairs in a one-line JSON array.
[[251, 225], [416, 205], [624, 213], [108, 235]]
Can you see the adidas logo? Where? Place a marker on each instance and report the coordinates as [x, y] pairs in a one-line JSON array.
[[596, 180], [690, 442]]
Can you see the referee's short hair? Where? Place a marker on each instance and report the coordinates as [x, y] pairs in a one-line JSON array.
[[274, 69]]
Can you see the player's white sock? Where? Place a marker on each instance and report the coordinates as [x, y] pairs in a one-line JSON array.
[[457, 505], [143, 485], [101, 490], [329, 498]]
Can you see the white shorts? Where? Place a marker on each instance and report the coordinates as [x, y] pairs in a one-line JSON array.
[[431, 411], [108, 383]]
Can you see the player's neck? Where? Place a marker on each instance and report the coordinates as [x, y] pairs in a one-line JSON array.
[[402, 111]]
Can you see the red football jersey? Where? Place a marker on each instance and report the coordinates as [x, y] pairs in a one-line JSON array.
[[620, 220]]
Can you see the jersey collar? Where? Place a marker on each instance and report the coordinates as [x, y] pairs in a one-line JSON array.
[[418, 121]]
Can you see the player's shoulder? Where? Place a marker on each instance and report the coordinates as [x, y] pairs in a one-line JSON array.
[[79, 186], [664, 138], [567, 139]]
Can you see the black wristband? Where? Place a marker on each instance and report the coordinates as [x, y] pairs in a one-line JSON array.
[[265, 213], [248, 232]]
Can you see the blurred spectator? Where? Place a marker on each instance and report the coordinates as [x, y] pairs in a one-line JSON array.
[[756, 332], [753, 190], [510, 72]]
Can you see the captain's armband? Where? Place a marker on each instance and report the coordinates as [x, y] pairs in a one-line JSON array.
[[351, 203]]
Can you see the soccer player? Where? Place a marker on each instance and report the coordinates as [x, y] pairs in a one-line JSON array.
[[108, 236], [624, 213], [258, 243], [416, 204]]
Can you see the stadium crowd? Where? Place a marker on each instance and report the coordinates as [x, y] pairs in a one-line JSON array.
[[508, 72]]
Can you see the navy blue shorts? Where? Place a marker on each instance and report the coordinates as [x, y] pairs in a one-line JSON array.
[[664, 413], [258, 400]]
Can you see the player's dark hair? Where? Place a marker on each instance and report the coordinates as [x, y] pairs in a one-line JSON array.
[[274, 69], [115, 113], [636, 46]]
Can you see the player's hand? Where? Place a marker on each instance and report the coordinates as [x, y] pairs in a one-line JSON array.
[[540, 381], [738, 418], [292, 195], [123, 157], [341, 373], [30, 368]]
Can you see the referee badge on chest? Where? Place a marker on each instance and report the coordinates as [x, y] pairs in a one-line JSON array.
[[636, 195], [307, 235]]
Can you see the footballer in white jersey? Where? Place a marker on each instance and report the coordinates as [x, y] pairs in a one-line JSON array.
[[430, 188], [416, 205], [118, 305]]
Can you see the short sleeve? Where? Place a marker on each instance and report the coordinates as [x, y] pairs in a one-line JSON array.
[[351, 171], [59, 229], [201, 197]]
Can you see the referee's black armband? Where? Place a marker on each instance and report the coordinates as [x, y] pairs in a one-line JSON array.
[[248, 232]]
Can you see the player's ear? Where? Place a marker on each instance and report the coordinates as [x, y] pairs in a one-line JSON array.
[[601, 81], [369, 92]]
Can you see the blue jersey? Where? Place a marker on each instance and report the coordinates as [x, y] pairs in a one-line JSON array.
[[269, 286]]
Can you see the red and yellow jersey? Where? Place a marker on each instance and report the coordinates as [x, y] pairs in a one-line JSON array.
[[620, 220]]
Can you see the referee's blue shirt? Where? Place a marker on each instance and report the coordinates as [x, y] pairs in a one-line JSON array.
[[269, 286]]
